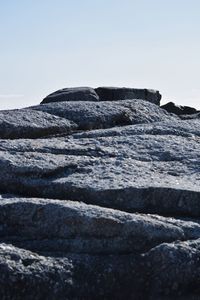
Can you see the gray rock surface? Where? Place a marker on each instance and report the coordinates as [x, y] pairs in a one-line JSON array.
[[27, 275], [117, 93], [69, 226], [190, 117], [92, 115], [72, 94], [105, 209], [175, 269], [156, 170], [21, 123], [179, 109]]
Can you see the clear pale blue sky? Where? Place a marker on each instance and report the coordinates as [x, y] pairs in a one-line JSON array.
[[50, 44]]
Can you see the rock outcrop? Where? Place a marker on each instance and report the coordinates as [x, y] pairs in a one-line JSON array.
[[102, 94], [179, 109], [99, 200]]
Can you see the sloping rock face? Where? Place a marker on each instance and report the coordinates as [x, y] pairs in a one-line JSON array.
[[106, 208], [23, 123], [102, 94]]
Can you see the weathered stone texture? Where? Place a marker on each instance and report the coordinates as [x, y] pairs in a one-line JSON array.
[[100, 198]]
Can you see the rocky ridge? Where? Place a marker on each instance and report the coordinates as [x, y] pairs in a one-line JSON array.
[[100, 198]]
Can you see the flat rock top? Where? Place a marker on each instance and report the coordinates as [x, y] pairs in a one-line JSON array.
[[116, 93], [98, 197]]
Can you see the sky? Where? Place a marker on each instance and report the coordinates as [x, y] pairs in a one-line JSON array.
[[46, 45]]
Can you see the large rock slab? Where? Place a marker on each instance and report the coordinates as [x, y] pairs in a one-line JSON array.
[[117, 93], [175, 127], [91, 115], [72, 94], [25, 123], [66, 226], [146, 169]]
